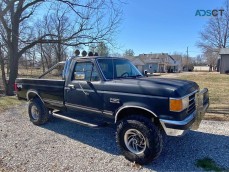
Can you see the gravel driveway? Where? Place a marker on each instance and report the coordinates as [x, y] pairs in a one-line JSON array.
[[63, 146]]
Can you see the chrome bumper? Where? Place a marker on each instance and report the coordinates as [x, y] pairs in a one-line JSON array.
[[192, 121]]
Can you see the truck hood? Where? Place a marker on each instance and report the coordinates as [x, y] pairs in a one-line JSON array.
[[155, 86]]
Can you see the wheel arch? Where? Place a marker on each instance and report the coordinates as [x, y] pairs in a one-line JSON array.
[[32, 94], [128, 110]]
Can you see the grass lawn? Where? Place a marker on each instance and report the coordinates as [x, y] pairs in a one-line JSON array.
[[8, 101], [218, 86], [208, 164]]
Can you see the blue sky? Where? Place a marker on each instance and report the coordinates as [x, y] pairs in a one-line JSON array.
[[163, 25]]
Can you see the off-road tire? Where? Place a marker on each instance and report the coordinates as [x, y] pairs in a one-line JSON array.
[[42, 112], [151, 134]]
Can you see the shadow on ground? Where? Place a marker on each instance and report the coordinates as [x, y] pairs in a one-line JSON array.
[[219, 110], [175, 155], [102, 138], [191, 147]]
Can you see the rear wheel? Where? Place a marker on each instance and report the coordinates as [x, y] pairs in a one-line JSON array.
[[38, 113], [139, 139]]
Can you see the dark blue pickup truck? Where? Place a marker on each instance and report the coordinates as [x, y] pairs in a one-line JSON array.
[[143, 108]]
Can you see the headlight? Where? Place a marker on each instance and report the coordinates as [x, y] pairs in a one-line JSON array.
[[177, 105]]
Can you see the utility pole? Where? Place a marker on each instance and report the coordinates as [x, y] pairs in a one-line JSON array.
[[187, 59], [187, 54]]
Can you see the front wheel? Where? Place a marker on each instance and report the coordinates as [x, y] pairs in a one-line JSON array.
[[139, 139]]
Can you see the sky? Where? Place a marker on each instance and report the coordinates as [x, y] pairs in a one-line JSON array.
[[163, 26]]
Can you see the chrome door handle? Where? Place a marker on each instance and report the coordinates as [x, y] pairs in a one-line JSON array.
[[71, 86]]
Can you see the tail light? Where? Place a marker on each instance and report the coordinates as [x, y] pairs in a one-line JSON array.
[[15, 87]]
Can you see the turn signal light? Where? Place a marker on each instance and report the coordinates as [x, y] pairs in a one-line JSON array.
[[176, 105]]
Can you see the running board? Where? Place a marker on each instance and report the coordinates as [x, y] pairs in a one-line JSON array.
[[76, 121]]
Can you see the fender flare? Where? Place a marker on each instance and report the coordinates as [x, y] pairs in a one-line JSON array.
[[34, 92], [130, 106]]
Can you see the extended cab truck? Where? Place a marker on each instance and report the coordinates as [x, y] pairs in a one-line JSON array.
[[143, 108]]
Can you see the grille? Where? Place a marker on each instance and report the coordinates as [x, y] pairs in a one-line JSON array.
[[192, 104]]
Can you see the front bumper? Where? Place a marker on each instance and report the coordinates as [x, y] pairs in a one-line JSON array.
[[179, 128]]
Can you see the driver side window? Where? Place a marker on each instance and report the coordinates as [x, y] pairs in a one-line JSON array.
[[85, 71]]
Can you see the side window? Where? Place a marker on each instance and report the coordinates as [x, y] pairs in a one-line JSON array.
[[123, 68], [55, 73], [85, 71], [106, 66]]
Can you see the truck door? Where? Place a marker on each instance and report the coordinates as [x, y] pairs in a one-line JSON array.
[[81, 90]]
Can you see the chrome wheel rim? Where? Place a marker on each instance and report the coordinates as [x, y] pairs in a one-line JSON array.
[[135, 141], [35, 113]]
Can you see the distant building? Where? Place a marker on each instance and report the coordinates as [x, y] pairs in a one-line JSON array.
[[201, 69], [224, 60], [137, 62], [178, 62], [157, 63], [160, 63]]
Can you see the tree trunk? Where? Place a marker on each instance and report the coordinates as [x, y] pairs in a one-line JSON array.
[[3, 71], [13, 64], [42, 60], [13, 49]]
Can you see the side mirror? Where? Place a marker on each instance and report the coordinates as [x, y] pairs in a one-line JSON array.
[[145, 73], [79, 75]]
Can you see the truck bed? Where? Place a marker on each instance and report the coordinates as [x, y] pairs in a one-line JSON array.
[[51, 91]]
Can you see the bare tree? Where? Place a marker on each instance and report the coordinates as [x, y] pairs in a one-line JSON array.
[[200, 60], [92, 48], [2, 63], [56, 22], [102, 49], [128, 52], [93, 21], [215, 35], [211, 58]]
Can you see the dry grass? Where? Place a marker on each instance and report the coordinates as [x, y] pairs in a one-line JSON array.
[[30, 72], [218, 86], [8, 102]]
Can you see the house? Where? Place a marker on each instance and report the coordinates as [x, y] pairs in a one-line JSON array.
[[178, 63], [160, 63], [157, 63], [153, 63], [137, 62], [224, 60]]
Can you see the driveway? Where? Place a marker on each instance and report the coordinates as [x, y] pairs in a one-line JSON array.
[[63, 146]]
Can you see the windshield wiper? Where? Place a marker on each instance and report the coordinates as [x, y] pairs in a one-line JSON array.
[[135, 76]]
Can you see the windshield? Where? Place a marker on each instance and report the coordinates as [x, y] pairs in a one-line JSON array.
[[118, 68]]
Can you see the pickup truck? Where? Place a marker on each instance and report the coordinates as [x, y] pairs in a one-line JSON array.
[[144, 109]]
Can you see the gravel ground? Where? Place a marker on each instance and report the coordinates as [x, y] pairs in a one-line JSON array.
[[63, 146]]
